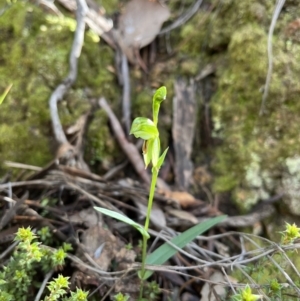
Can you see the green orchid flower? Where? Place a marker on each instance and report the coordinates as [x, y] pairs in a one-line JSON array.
[[147, 130]]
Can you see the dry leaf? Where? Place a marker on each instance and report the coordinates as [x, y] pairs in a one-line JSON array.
[[101, 245], [207, 290], [88, 217], [139, 24], [184, 198], [184, 121], [184, 215], [77, 126]]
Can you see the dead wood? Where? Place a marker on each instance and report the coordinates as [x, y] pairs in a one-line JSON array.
[[184, 122]]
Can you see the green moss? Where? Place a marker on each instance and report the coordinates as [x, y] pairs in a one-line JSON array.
[[110, 6], [34, 56], [101, 145], [142, 103], [233, 36], [236, 107], [15, 145]]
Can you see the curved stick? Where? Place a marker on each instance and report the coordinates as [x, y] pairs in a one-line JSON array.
[[128, 148], [61, 89], [278, 8]]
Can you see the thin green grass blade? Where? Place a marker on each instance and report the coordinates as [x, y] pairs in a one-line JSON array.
[[2, 97], [166, 251], [123, 219]]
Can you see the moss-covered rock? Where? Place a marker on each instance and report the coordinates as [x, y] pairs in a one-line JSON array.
[[254, 148], [34, 56]]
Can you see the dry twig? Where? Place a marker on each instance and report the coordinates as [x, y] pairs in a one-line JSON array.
[[276, 13], [126, 101], [183, 18], [61, 89], [128, 148]]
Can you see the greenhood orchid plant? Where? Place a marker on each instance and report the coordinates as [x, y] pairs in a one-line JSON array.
[[147, 130]]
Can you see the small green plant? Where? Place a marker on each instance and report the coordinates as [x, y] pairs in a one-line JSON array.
[[121, 297], [45, 235], [276, 274], [58, 288], [129, 246], [152, 291], [147, 130], [291, 233], [28, 257], [246, 295]]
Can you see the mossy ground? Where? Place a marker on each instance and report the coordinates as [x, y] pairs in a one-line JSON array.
[[34, 54], [232, 35]]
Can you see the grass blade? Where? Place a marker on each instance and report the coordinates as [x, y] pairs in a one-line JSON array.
[[166, 251], [5, 93]]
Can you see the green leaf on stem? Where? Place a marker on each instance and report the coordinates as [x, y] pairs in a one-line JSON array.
[[162, 158], [166, 251], [123, 219]]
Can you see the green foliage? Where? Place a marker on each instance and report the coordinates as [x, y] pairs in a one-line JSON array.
[[45, 235], [270, 273], [152, 291], [166, 251], [246, 295], [121, 297], [28, 258], [129, 246], [123, 219], [291, 233], [59, 287]]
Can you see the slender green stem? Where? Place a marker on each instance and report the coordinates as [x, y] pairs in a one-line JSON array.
[[151, 196], [146, 227]]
